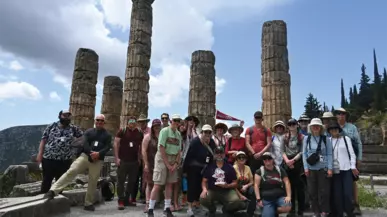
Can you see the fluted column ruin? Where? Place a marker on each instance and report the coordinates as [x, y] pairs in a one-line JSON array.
[[112, 103], [83, 88], [202, 92], [276, 100], [136, 86]]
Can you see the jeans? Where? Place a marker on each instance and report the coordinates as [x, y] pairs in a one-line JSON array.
[[297, 187], [319, 188], [343, 193], [250, 194], [139, 184], [270, 207]]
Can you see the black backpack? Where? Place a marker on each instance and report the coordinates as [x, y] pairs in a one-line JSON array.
[[108, 189]]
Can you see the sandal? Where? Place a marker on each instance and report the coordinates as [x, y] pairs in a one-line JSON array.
[[177, 208], [146, 208]]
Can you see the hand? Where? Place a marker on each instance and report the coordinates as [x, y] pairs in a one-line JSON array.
[[257, 155], [287, 200], [118, 162], [244, 188], [291, 166], [234, 155], [329, 173], [290, 162], [39, 157], [306, 172], [243, 198], [146, 169], [358, 163], [204, 194], [355, 172], [259, 203], [94, 155]]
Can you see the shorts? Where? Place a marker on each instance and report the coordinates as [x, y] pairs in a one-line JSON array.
[[270, 207], [161, 174]]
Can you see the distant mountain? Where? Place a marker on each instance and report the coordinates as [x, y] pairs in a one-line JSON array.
[[18, 144]]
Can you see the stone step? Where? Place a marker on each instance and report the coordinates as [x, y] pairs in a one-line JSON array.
[[376, 149], [373, 168], [77, 196], [376, 180], [375, 158], [33, 206]]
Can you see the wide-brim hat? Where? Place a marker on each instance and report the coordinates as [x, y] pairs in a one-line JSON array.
[[279, 123], [223, 126], [239, 153], [194, 118], [142, 117], [303, 117], [342, 110], [234, 126], [206, 127], [316, 122], [334, 125], [327, 115]]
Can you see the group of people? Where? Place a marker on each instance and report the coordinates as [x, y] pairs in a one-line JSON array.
[[303, 162]]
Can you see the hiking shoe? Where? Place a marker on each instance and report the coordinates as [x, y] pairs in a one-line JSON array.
[[357, 210], [121, 205], [89, 208], [168, 213], [49, 195], [150, 213], [190, 213], [132, 202]]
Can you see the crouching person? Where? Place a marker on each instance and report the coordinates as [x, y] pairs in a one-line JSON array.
[[272, 188], [97, 142], [219, 185]]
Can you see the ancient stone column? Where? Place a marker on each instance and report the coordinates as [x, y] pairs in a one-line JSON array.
[[112, 103], [83, 88], [276, 100], [136, 87], [202, 92]]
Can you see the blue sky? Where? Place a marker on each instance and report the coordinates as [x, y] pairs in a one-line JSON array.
[[327, 40]]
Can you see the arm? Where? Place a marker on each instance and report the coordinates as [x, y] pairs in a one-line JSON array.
[[359, 144], [304, 153], [287, 186], [117, 141], [204, 184], [108, 146], [268, 140], [43, 141], [257, 183], [164, 156], [282, 148], [86, 144], [144, 148], [248, 145], [240, 195], [233, 177], [162, 144], [298, 156], [329, 154], [351, 152], [251, 178]]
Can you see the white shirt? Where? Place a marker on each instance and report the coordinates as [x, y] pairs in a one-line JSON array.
[[277, 143], [340, 153]]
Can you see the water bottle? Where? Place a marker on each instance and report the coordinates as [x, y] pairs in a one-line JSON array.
[[184, 184]]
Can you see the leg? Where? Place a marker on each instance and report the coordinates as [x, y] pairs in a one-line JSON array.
[[135, 188], [313, 190], [122, 173], [78, 166], [357, 210], [48, 167], [94, 172], [283, 207], [209, 202], [159, 179], [300, 191], [324, 191], [231, 201], [293, 184], [337, 194], [253, 203], [269, 208], [62, 168], [347, 181], [132, 170]]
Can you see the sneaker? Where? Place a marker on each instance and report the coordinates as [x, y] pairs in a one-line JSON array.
[[49, 195], [150, 213], [168, 213], [132, 202], [190, 213], [357, 210], [121, 205], [89, 208]]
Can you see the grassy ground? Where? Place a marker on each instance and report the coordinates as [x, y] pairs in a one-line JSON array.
[[369, 198]]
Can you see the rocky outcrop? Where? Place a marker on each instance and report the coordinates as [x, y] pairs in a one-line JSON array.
[[202, 87], [83, 88], [276, 100], [372, 135], [112, 103], [136, 87]]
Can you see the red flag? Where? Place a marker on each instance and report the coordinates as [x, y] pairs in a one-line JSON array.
[[223, 116]]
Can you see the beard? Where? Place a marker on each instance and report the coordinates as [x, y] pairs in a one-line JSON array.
[[65, 121]]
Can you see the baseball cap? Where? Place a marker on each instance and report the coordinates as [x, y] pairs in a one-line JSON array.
[[258, 114]]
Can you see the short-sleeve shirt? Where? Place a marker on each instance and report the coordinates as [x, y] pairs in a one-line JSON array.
[[273, 187], [244, 177], [259, 141], [130, 144], [236, 145], [214, 174], [58, 141], [171, 140]]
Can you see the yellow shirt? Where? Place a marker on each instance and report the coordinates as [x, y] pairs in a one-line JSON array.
[[246, 177]]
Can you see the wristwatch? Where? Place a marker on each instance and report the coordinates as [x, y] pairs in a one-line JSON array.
[[259, 200]]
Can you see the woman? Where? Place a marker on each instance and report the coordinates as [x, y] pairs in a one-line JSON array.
[[185, 145], [191, 127], [344, 171], [277, 141], [199, 155], [149, 149], [235, 144], [245, 179], [317, 160], [291, 151], [272, 188], [219, 137]]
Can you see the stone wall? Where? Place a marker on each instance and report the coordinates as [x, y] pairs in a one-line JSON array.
[[202, 87], [83, 88], [276, 99], [112, 103]]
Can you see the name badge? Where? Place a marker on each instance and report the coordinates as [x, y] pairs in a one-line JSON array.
[[62, 139], [321, 158], [131, 144], [95, 144], [207, 159]]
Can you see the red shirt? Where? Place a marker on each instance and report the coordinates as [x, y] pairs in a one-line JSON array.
[[258, 139], [130, 145], [236, 145]]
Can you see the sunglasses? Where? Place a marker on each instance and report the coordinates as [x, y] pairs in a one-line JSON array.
[[242, 158], [176, 120], [267, 158], [165, 118], [258, 118], [99, 120], [207, 132], [292, 124], [131, 121], [340, 113]]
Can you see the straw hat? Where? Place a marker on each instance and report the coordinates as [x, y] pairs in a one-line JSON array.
[[327, 115], [143, 117], [279, 123]]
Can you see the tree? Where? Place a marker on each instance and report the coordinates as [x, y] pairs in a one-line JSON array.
[[378, 90], [355, 96], [351, 96], [333, 109], [343, 104], [384, 81], [312, 107], [365, 93]]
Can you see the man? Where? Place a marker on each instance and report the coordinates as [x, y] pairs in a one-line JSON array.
[[352, 132], [127, 151], [165, 120], [97, 142], [303, 122], [167, 161], [219, 184], [55, 152], [258, 141], [143, 127]]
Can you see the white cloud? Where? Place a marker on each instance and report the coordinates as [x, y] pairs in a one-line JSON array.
[[15, 65], [21, 90], [54, 96], [220, 83]]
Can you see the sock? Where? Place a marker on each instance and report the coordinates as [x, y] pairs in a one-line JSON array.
[[152, 204], [167, 204]]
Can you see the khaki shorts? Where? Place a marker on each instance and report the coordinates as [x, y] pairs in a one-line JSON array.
[[161, 174]]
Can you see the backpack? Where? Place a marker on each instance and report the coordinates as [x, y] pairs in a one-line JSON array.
[[354, 144], [123, 131], [251, 131], [108, 188], [323, 137], [262, 168]]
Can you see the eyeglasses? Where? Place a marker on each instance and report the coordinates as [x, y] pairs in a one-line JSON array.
[[267, 158], [165, 118], [207, 132], [99, 120], [292, 124]]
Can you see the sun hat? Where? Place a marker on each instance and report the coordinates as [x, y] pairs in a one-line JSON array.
[[327, 115], [142, 117], [304, 117], [316, 122], [334, 125], [194, 118], [176, 117], [267, 155], [236, 126], [279, 123], [221, 125], [206, 127], [239, 153], [341, 110]]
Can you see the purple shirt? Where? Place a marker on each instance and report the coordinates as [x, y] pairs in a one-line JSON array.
[[214, 174]]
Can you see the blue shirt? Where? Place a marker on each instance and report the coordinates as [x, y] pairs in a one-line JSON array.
[[351, 131], [326, 153]]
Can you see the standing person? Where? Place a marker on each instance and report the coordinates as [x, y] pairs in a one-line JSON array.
[[164, 120], [235, 143], [245, 188], [97, 142], [55, 152], [303, 122], [278, 141], [326, 119], [192, 125], [185, 146], [291, 151], [198, 157], [352, 132], [258, 141], [149, 149], [344, 172], [219, 135], [127, 151], [317, 160], [167, 161]]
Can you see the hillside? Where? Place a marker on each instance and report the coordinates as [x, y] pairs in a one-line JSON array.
[[18, 144]]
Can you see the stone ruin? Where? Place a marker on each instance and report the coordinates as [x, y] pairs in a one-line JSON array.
[[112, 103]]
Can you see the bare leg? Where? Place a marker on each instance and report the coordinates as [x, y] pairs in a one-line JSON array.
[[176, 191]]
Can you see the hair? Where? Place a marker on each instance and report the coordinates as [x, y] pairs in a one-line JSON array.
[[153, 136], [322, 129], [184, 133]]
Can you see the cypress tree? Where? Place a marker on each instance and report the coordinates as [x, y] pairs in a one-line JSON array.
[[378, 90], [355, 96], [365, 92], [351, 100], [343, 103]]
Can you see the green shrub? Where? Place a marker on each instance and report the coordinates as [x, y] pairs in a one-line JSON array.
[[369, 198]]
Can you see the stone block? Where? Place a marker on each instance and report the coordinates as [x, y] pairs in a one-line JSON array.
[[33, 206], [18, 173], [77, 196], [372, 135], [25, 190]]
